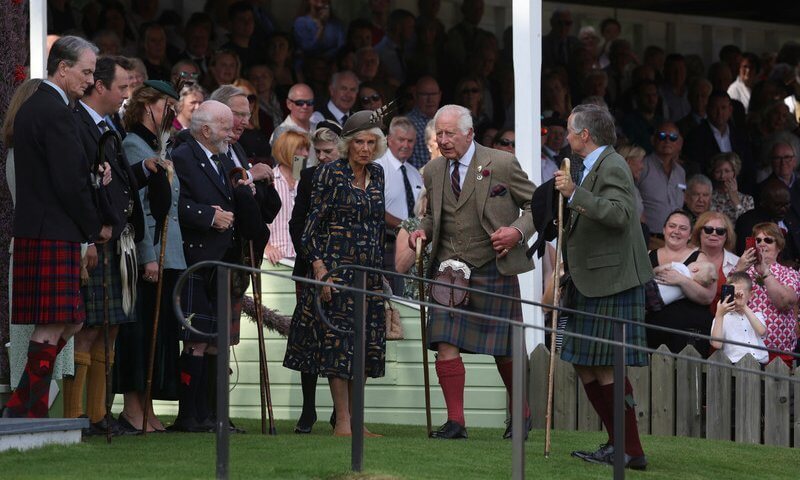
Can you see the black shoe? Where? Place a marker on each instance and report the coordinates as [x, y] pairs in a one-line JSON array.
[[101, 428], [598, 456], [190, 425], [305, 424], [634, 463], [528, 426], [451, 430], [127, 427]]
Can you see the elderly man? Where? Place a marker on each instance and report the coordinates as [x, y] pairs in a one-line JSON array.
[[558, 45], [478, 213], [54, 214], [662, 182], [343, 90], [300, 103], [210, 208], [697, 199], [403, 186], [426, 102], [606, 258]]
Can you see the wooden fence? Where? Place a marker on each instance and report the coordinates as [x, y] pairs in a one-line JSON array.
[[681, 397]]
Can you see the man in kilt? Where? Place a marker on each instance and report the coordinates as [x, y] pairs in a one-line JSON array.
[[606, 260], [479, 213], [111, 267], [54, 214]]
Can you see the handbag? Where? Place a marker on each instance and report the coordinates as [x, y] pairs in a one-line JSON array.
[[455, 273]]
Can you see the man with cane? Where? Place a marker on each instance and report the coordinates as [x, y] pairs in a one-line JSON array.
[[479, 216], [606, 263]]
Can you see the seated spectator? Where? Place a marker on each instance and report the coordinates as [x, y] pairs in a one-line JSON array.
[[191, 97], [317, 32], [748, 71], [555, 96], [634, 157], [300, 104], [735, 321], [253, 139], [427, 55], [393, 48], [469, 94], [640, 125], [270, 114], [369, 97], [553, 148], [359, 35], [223, 69], [343, 89], [242, 21], [698, 93], [663, 180], [610, 29], [558, 45], [620, 55], [108, 42], [714, 235], [727, 199], [154, 51], [773, 206], [505, 140], [697, 199], [595, 84], [184, 72], [279, 59], [426, 103], [367, 64], [673, 90], [197, 38], [783, 162], [113, 17]]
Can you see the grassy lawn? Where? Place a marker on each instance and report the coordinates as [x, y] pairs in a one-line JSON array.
[[403, 454]]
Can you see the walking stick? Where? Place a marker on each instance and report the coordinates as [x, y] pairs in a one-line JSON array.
[[424, 330], [266, 396], [148, 389], [554, 315], [106, 338]]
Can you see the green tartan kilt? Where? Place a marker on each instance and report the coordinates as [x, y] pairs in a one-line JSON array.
[[93, 290], [628, 304]]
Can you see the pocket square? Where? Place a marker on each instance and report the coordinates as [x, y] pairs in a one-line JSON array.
[[498, 190]]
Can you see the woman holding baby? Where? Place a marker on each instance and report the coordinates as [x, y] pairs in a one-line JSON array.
[[677, 264]]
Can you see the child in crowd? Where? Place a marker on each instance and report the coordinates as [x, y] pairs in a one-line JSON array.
[[703, 273], [736, 321]]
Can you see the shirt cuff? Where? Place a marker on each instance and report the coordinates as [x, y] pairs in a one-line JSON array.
[[522, 235]]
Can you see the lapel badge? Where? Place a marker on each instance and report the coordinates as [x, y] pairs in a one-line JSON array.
[[479, 177]]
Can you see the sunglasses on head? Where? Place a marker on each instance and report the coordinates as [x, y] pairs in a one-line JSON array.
[[718, 230], [303, 103], [767, 240], [673, 137], [371, 98], [506, 142]]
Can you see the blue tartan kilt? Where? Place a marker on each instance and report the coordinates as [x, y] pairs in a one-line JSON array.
[[477, 335], [94, 290], [628, 304], [199, 299]]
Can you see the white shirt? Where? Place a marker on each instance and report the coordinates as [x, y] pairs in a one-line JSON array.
[[336, 113], [736, 326], [723, 139], [394, 192], [739, 91], [290, 124], [463, 164]]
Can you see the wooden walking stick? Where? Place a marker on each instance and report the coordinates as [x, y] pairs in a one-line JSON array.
[[424, 330], [106, 340], [554, 314], [266, 395]]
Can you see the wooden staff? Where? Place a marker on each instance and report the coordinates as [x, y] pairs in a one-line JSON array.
[[424, 330], [266, 395], [106, 340], [554, 316]]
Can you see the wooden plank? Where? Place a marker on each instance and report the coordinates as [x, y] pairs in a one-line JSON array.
[[662, 396], [537, 385], [640, 381], [718, 398], [748, 401], [564, 397], [689, 394], [776, 405]]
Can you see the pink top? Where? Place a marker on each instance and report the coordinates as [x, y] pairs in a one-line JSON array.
[[279, 228], [781, 333]]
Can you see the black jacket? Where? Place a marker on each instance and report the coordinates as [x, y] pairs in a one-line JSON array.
[[302, 202]]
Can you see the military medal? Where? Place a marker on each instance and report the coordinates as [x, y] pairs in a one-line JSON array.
[[479, 177]]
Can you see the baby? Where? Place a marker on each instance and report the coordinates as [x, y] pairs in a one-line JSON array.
[[703, 273]]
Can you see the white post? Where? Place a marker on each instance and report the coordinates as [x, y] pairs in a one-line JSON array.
[[527, 26], [38, 43]]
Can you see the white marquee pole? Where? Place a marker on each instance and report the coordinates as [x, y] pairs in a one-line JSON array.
[[38, 42]]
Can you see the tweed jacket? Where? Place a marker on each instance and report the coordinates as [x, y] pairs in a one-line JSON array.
[[499, 170], [605, 249]]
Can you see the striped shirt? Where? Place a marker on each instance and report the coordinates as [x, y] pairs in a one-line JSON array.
[[279, 228]]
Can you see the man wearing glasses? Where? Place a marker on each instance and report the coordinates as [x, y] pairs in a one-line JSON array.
[[426, 103], [300, 103]]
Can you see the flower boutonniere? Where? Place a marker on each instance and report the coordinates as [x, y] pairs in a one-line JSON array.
[[482, 172]]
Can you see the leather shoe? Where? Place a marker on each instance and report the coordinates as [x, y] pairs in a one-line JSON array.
[[189, 425], [597, 456], [451, 430], [100, 428], [127, 427], [509, 434], [304, 424], [634, 463]]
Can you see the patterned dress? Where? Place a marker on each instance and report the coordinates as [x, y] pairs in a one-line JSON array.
[[781, 333], [720, 202], [345, 225]]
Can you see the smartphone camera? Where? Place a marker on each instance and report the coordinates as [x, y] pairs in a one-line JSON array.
[[727, 293]]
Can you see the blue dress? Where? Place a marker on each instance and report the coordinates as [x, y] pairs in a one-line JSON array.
[[345, 225]]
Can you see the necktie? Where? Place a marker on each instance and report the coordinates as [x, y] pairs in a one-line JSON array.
[[103, 126], [455, 180], [577, 169], [409, 192], [220, 171], [344, 119]]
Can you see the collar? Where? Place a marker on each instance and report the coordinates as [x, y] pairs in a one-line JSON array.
[[394, 161], [96, 117], [716, 131], [467, 158], [591, 159], [551, 154], [205, 150], [146, 135], [335, 111], [59, 90]]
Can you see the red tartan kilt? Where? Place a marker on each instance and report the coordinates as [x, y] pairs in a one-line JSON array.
[[46, 282]]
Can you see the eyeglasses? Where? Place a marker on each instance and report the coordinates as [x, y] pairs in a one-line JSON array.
[[371, 98], [783, 158], [302, 103], [252, 98], [472, 91], [673, 137], [506, 142], [718, 230], [767, 240]]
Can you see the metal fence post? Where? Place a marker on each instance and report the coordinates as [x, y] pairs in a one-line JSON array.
[[357, 418], [223, 340], [619, 401], [518, 420]]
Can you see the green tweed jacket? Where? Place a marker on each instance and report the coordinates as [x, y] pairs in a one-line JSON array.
[[604, 243]]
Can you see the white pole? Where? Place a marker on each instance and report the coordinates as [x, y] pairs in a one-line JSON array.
[[527, 26], [38, 43]]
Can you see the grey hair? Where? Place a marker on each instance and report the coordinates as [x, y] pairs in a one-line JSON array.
[[464, 116], [68, 49], [380, 147], [730, 157], [401, 123], [324, 134], [224, 93], [206, 114], [338, 76], [698, 179], [188, 90], [785, 138], [597, 121]]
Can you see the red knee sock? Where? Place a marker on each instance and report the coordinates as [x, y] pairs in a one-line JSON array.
[[603, 409], [633, 446], [451, 375], [30, 399], [506, 370]]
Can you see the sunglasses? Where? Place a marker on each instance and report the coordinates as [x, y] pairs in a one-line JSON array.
[[473, 91], [252, 98], [303, 103], [767, 240], [718, 230], [673, 137], [371, 98], [506, 142], [192, 75]]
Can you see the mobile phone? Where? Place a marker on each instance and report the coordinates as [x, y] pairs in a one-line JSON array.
[[298, 164], [727, 293], [750, 242]]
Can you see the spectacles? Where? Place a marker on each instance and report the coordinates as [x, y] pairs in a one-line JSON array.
[[783, 158], [506, 142], [303, 103], [767, 240], [718, 230], [371, 98], [673, 137], [472, 91]]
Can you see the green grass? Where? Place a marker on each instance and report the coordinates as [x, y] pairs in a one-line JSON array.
[[403, 454]]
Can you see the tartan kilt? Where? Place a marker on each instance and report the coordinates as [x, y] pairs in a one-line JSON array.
[[93, 290], [199, 298], [628, 304], [477, 335], [46, 282]]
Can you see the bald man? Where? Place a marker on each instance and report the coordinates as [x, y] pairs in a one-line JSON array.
[[300, 103]]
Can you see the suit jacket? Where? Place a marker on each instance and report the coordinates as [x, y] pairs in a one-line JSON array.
[[125, 183], [495, 211], [605, 249], [302, 203], [323, 109], [700, 146], [54, 195], [550, 45]]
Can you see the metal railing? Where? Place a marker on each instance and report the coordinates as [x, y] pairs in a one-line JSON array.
[[519, 356]]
